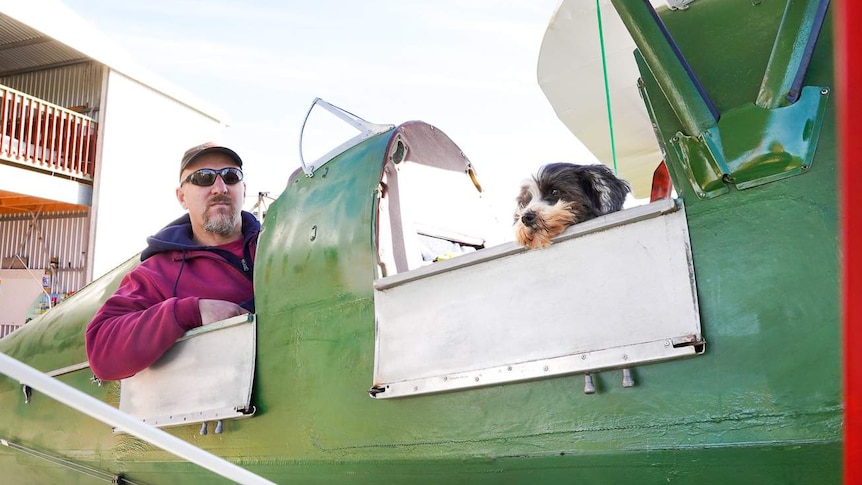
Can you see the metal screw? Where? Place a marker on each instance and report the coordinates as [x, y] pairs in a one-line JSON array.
[[824, 91]]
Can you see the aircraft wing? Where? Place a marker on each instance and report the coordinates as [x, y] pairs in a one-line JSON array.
[[570, 74]]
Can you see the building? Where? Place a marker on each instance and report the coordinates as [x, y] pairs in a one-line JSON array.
[[89, 155]]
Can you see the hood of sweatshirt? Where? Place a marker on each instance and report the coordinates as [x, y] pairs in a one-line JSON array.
[[177, 236]]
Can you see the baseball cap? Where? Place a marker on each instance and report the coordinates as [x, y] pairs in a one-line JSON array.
[[193, 153]]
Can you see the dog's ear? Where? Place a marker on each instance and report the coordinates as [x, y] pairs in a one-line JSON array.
[[606, 191], [524, 196], [529, 190], [619, 190]]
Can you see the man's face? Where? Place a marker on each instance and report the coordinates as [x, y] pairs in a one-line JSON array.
[[214, 209]]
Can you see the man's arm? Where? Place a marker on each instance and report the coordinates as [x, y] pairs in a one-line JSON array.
[[136, 326]]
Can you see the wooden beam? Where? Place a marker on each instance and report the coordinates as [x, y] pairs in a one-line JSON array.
[[15, 203]]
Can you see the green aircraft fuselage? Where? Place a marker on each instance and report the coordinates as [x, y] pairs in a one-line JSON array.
[[761, 405]]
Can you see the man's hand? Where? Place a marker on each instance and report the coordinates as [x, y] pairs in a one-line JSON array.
[[217, 310]]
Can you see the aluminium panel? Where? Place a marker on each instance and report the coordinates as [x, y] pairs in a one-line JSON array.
[[206, 376], [612, 292]]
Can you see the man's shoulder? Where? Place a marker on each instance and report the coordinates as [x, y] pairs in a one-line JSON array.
[[156, 261], [176, 236]]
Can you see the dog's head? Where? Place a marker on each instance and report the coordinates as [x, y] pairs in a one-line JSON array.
[[562, 194]]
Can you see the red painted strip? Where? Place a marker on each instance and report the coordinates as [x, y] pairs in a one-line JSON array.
[[662, 186], [848, 70]]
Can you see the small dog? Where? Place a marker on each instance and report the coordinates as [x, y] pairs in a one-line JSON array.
[[562, 194]]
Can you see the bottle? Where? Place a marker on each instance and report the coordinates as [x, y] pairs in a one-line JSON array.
[[47, 279], [43, 303]]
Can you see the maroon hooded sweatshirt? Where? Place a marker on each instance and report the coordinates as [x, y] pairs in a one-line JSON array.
[[157, 302]]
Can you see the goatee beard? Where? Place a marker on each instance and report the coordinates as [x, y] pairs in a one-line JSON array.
[[221, 223]]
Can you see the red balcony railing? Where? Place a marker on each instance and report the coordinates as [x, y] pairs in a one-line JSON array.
[[46, 136]]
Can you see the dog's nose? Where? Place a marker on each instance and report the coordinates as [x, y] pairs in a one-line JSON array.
[[528, 218]]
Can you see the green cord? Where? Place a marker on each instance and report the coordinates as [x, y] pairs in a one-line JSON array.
[[607, 90]]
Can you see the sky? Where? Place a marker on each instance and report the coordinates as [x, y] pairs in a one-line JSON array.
[[466, 67]]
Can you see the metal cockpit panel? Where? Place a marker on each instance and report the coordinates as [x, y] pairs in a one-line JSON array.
[[612, 292], [206, 376]]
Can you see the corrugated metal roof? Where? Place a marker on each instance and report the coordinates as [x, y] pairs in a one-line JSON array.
[[36, 34], [16, 32], [23, 48], [34, 57]]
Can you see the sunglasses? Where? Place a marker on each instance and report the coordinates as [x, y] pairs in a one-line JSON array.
[[207, 176]]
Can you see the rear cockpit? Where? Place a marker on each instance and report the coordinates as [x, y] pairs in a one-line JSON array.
[[430, 204]]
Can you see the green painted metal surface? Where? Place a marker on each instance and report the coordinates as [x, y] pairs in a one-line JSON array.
[[799, 26], [752, 143], [752, 247], [677, 84], [752, 146], [762, 405]]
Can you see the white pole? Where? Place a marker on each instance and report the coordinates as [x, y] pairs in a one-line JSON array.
[[94, 408]]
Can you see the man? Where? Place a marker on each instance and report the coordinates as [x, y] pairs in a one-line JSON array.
[[196, 271]]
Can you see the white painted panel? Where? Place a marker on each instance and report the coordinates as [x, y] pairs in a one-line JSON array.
[[142, 141], [47, 186], [19, 288], [611, 292]]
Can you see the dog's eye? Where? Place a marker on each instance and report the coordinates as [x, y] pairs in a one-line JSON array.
[[555, 193]]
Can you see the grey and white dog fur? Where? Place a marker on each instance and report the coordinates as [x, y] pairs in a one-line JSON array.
[[563, 194]]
